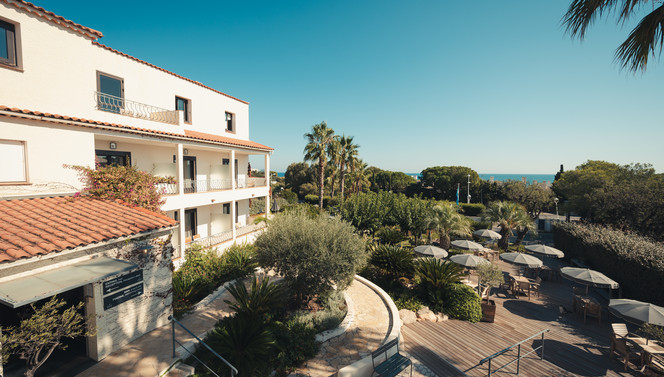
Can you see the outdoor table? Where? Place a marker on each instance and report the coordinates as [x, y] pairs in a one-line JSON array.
[[648, 350], [521, 281]]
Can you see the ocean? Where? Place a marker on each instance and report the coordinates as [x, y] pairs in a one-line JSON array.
[[530, 178]]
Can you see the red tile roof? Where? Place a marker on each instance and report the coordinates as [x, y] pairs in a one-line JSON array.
[[52, 17], [31, 227], [188, 134], [165, 70]]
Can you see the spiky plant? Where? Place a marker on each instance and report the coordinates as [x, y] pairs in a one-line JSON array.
[[263, 298], [437, 274], [394, 260]]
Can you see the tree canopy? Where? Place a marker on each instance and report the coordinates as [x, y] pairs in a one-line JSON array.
[[441, 182]]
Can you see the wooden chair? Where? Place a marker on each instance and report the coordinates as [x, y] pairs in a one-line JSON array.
[[620, 346], [592, 309], [620, 331], [535, 285]]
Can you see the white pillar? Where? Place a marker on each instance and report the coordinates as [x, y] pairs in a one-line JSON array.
[[181, 230], [233, 216], [267, 183], [233, 183], [179, 164]]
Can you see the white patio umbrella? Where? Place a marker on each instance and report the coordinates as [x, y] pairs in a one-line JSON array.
[[545, 250], [467, 245], [522, 259], [431, 251], [488, 234], [468, 260], [637, 311], [588, 277]]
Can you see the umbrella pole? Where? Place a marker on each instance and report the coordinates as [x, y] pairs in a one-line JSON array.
[[586, 291]]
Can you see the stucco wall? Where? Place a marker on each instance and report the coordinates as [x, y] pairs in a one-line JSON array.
[[121, 324]]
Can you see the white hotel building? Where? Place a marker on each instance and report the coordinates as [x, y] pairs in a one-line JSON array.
[[66, 99]]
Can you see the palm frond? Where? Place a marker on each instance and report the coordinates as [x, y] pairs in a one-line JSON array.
[[642, 41]]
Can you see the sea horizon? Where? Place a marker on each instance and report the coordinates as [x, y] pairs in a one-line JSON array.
[[497, 177]]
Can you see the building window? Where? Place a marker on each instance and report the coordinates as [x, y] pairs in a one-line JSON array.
[[8, 44], [110, 91], [184, 105], [230, 122], [106, 158], [14, 167], [227, 209]]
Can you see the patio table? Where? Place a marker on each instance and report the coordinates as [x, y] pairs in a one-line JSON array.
[[647, 352], [520, 282]]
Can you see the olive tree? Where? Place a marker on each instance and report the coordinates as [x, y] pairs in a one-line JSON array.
[[312, 254]]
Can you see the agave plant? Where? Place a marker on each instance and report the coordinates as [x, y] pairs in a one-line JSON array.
[[394, 260], [437, 274], [263, 298], [241, 259]]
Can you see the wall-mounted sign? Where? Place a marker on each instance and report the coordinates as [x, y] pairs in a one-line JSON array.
[[122, 296], [122, 282]]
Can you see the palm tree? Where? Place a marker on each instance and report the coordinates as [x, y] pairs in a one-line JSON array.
[[645, 37], [446, 220], [358, 175], [525, 224], [318, 148], [347, 153], [508, 215]]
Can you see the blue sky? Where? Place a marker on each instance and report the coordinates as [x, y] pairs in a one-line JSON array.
[[494, 85]]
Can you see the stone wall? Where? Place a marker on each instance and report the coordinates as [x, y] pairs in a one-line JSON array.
[[129, 320]]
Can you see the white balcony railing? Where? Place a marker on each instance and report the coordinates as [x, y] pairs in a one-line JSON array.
[[113, 104], [251, 182], [167, 188], [214, 239], [205, 185], [249, 228]]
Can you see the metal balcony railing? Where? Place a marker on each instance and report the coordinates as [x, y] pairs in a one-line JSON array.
[[214, 239], [167, 188], [113, 104], [249, 228], [251, 182], [205, 185]]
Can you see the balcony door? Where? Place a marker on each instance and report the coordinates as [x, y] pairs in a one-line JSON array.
[[190, 224], [189, 174]]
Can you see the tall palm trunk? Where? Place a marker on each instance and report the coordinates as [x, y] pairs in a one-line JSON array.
[[520, 235], [444, 240], [505, 239], [342, 179], [321, 181]]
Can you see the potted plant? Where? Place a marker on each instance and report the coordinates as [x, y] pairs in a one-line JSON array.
[[489, 276]]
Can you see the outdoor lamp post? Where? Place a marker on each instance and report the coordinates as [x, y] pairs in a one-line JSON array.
[[468, 188], [555, 200]]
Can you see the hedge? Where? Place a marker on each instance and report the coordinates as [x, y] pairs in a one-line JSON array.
[[472, 209], [635, 262]]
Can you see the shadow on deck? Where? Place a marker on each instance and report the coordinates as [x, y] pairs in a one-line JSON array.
[[571, 348]]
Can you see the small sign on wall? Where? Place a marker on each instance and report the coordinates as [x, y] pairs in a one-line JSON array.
[[125, 289], [122, 282], [122, 296]]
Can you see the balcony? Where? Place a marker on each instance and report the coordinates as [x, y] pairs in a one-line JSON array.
[[251, 182], [213, 240], [122, 106], [206, 185], [241, 231]]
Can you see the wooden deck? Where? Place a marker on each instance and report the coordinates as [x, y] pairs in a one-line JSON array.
[[454, 348]]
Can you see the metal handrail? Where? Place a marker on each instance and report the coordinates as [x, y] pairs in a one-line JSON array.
[[175, 321], [519, 356], [119, 105]]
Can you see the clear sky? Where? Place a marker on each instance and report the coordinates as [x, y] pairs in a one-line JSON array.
[[493, 85]]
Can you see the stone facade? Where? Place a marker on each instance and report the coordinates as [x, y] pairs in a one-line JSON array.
[[127, 321]]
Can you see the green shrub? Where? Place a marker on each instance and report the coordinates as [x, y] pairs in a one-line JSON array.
[[204, 263], [240, 260], [327, 319], [263, 298], [297, 344], [186, 290], [635, 262], [436, 274], [312, 254], [394, 261], [408, 302], [389, 236], [462, 302], [289, 195], [476, 225], [257, 206], [313, 200], [471, 209]]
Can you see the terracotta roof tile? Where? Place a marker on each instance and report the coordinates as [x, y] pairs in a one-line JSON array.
[[45, 225], [52, 17], [188, 134]]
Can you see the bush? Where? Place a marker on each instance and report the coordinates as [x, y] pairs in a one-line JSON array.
[[313, 200], [476, 225], [408, 302], [394, 261], [436, 274], [289, 195], [263, 298], [472, 209], [462, 302], [322, 320], [313, 254], [297, 344], [389, 236], [240, 260], [635, 262], [257, 206]]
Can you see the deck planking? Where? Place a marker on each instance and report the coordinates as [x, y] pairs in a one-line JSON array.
[[571, 348]]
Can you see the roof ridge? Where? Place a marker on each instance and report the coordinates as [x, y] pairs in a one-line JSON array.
[[45, 14]]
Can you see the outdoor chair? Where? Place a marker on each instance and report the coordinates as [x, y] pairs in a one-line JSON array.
[[535, 285], [620, 331], [579, 291], [592, 309], [620, 346], [388, 362]]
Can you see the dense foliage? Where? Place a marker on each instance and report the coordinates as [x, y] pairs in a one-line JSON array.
[[534, 197], [462, 302], [125, 183], [442, 182], [312, 254], [636, 262], [394, 261]]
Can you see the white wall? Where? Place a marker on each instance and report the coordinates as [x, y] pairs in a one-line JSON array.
[[60, 75], [48, 148]]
